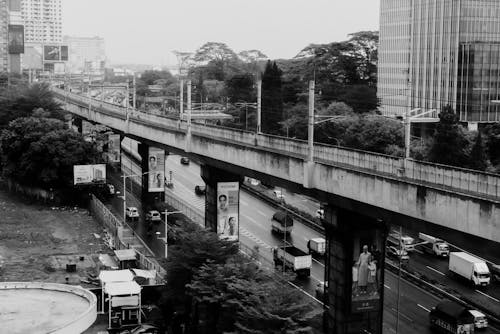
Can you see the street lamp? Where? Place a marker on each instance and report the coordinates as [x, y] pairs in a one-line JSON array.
[[125, 191], [165, 239], [409, 118]]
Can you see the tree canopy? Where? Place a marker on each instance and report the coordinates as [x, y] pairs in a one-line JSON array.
[[42, 152], [272, 99]]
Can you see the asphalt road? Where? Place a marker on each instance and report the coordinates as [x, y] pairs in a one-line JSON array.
[[255, 230]]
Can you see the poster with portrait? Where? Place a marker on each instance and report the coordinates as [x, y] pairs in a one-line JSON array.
[[114, 148], [228, 214], [16, 39], [366, 272], [156, 169]]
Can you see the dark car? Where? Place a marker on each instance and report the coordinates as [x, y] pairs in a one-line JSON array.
[[200, 190], [143, 329], [185, 161]]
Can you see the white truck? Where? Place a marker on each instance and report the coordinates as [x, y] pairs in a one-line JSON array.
[[470, 268], [293, 258], [432, 245], [317, 246], [401, 241]]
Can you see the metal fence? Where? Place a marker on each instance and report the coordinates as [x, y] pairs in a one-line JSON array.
[[458, 179], [118, 231], [187, 209]]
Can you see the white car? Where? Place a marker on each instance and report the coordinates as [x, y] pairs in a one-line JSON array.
[[279, 194], [153, 216], [395, 253], [132, 212]]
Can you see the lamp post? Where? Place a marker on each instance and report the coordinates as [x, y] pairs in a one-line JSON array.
[[125, 192], [165, 239]]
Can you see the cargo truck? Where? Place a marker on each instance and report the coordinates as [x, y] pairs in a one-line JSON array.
[[282, 222], [317, 246], [469, 267], [401, 241], [432, 245], [294, 259], [451, 317]]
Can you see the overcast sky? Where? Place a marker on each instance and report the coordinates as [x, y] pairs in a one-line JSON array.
[[147, 31]]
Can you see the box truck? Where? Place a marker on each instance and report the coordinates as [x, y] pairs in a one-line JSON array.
[[403, 241], [470, 268], [317, 246], [293, 258], [451, 317], [282, 222], [432, 245]]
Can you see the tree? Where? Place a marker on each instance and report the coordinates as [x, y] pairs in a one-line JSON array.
[[492, 134], [478, 159], [216, 55], [42, 152], [240, 88], [149, 77], [272, 99], [449, 145], [23, 100]]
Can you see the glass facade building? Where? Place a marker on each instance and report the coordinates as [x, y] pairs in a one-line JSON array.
[[424, 54]]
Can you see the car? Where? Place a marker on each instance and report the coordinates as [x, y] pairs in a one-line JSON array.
[[142, 329], [153, 216], [185, 161], [200, 190], [396, 253], [320, 290], [132, 212], [320, 214], [480, 320], [278, 194]]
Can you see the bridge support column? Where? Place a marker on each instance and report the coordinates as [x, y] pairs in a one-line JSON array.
[[222, 188], [355, 287], [153, 183]]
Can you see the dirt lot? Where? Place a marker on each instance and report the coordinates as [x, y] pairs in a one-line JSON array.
[[37, 241]]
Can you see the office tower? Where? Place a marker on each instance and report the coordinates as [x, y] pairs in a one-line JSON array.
[[438, 52], [43, 21], [11, 36], [86, 54]]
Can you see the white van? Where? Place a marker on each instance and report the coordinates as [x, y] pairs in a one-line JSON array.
[[407, 243], [480, 320]]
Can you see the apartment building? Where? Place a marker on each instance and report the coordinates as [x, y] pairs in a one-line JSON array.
[[43, 21]]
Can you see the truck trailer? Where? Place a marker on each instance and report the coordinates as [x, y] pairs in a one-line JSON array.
[[282, 223], [469, 267], [294, 259], [451, 317], [317, 246]]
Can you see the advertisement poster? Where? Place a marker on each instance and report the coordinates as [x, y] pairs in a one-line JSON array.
[[52, 52], [16, 39], [89, 174], [228, 210], [114, 148], [366, 279], [64, 53], [156, 169]]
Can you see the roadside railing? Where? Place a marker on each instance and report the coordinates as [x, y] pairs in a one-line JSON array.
[[187, 209], [458, 179]]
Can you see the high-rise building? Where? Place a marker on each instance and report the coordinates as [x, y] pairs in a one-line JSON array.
[[438, 52], [43, 21], [11, 36], [86, 54]]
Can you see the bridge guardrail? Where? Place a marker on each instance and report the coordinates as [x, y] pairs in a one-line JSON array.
[[460, 179]]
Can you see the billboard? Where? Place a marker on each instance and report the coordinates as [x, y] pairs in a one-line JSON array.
[[366, 273], [16, 39], [228, 215], [156, 169], [113, 148], [89, 174], [56, 53]]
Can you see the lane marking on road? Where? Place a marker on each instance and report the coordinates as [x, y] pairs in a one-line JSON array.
[[484, 294], [402, 314], [388, 287], [435, 270], [423, 307], [251, 236], [314, 278], [261, 213]]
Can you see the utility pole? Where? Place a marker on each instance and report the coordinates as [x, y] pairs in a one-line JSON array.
[[181, 98], [310, 132], [259, 105], [134, 97]]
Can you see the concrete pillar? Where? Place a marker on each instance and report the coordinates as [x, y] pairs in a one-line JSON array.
[[213, 177], [149, 197], [355, 306]]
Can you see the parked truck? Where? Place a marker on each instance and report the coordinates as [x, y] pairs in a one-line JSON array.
[[451, 317], [293, 258], [435, 246], [317, 246], [470, 268], [282, 222]]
